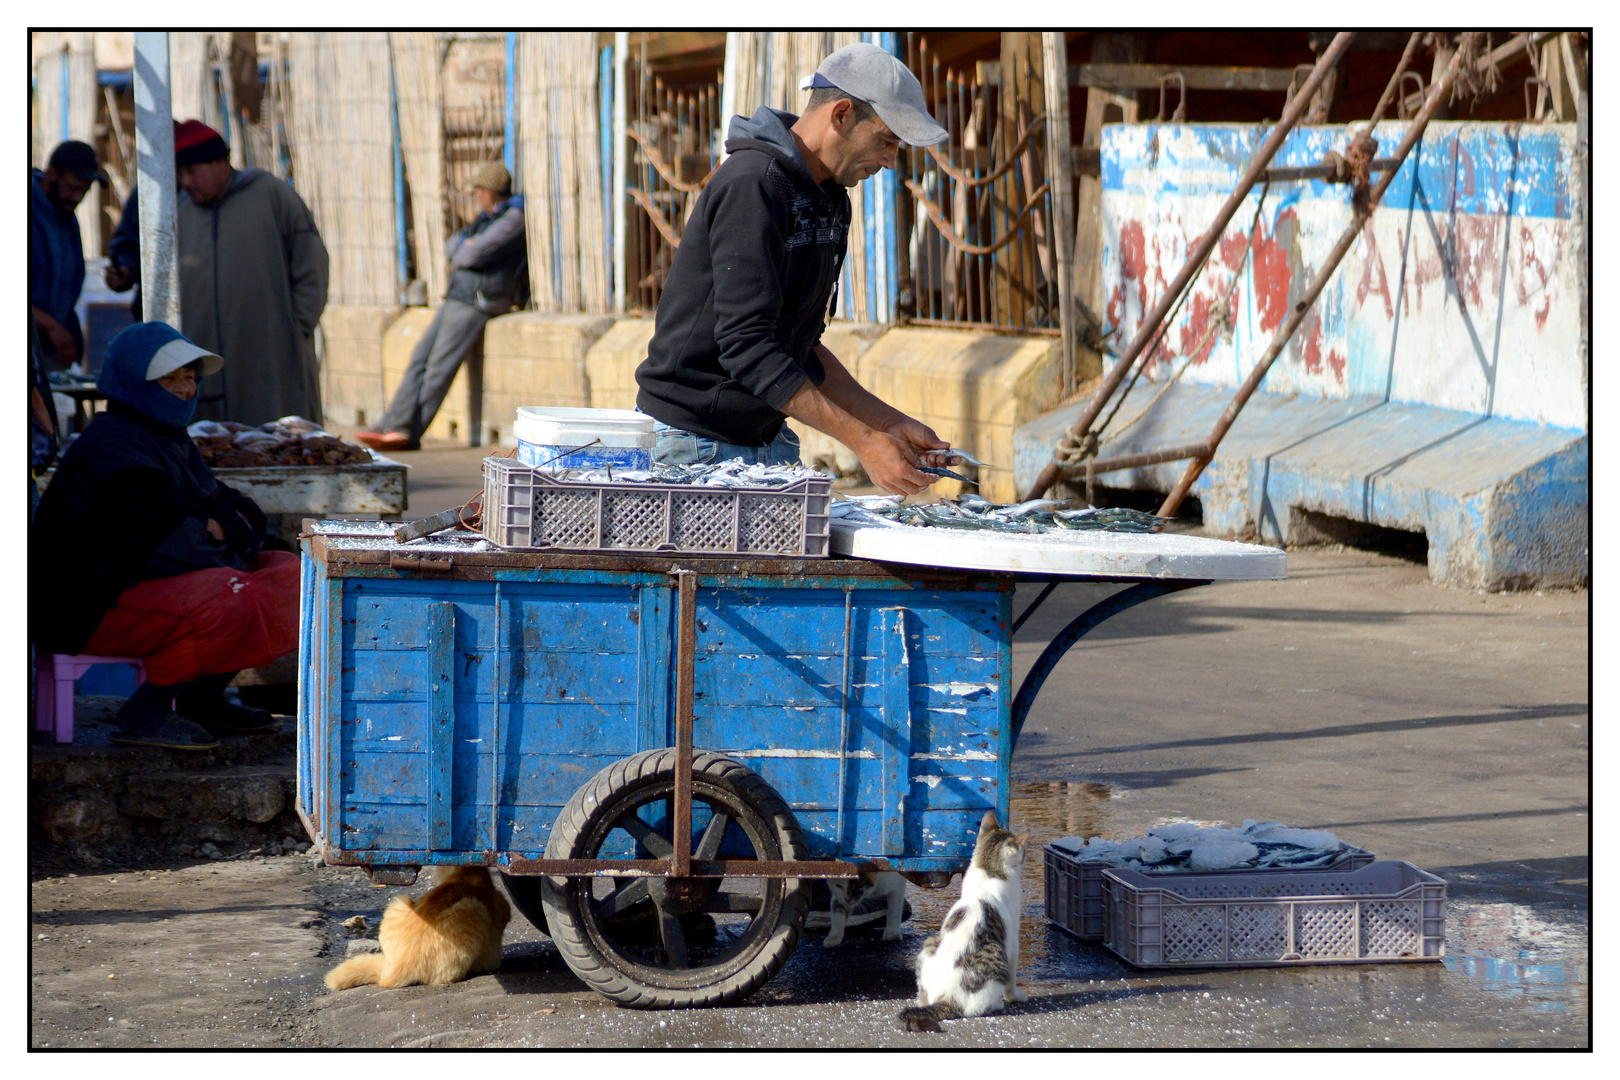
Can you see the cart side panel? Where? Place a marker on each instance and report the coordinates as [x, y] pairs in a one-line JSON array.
[[545, 680], [771, 679], [309, 711]]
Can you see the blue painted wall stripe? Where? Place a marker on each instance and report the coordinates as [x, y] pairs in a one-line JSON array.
[[1472, 168]]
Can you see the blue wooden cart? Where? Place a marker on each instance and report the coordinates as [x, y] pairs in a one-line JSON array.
[[659, 753]]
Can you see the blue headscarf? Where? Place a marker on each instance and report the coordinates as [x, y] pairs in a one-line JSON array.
[[123, 372]]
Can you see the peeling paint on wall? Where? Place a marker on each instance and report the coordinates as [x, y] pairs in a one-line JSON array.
[[1460, 293]]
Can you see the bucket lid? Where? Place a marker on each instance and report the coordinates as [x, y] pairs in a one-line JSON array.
[[607, 417]]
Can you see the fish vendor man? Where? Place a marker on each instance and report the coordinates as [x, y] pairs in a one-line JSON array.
[[737, 347]]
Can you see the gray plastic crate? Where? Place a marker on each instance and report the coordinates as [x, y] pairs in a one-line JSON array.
[[1388, 912], [525, 509], [1074, 890]]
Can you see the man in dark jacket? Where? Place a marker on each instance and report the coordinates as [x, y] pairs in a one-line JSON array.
[[55, 253], [737, 347], [489, 274]]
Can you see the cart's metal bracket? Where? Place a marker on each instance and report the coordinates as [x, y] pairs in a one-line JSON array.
[[1037, 602], [1089, 620]]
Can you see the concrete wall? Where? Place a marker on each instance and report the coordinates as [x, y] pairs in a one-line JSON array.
[[352, 380], [1461, 294], [610, 364], [972, 388], [532, 358]]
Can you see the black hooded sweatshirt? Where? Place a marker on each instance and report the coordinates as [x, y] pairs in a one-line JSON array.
[[748, 293]]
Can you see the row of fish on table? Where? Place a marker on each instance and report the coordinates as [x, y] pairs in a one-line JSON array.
[[1263, 845], [968, 511]]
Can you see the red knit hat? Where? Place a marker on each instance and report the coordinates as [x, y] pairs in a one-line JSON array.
[[195, 142]]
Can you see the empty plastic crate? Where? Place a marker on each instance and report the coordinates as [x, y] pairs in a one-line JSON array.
[[1074, 890], [1383, 913], [526, 509]]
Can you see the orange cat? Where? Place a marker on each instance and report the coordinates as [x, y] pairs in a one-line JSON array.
[[452, 932]]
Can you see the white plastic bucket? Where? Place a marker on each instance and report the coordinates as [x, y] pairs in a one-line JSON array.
[[544, 434]]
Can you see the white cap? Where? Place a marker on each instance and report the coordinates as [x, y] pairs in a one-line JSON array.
[[878, 78], [177, 354]]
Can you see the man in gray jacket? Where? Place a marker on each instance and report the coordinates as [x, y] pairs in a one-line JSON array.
[[489, 275], [253, 276]]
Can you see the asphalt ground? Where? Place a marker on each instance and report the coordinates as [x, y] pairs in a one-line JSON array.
[[1443, 727]]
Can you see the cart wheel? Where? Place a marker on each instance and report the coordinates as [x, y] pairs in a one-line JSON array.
[[657, 943]]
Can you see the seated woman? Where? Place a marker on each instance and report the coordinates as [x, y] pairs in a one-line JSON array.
[[138, 551]]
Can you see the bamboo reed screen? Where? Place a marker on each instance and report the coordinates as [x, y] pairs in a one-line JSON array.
[[560, 157], [421, 136], [192, 94], [343, 164], [77, 50]]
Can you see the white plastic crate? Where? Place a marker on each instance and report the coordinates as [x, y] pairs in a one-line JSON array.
[[527, 510], [1074, 890], [1387, 912]]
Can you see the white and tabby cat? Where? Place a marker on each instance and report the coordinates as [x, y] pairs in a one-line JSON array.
[[873, 886], [971, 966]]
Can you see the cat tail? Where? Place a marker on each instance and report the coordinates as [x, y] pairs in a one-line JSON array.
[[927, 1017], [355, 971]]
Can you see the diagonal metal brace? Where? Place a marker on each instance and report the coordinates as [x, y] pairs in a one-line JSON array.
[[1083, 624]]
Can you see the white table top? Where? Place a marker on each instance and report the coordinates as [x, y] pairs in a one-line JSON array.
[[1089, 553]]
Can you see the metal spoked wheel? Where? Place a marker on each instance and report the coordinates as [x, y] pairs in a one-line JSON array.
[[663, 943]]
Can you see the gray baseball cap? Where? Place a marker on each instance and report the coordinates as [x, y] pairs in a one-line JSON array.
[[878, 78]]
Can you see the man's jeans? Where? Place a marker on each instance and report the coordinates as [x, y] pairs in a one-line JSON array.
[[678, 447]]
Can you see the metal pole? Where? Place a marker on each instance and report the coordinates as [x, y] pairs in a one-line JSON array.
[[1150, 324], [402, 250], [510, 129], [154, 156], [685, 661], [1363, 213], [62, 63], [621, 100], [1055, 66]]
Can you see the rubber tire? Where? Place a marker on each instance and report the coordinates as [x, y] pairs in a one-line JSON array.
[[650, 770]]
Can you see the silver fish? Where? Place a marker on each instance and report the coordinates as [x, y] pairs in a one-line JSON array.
[[956, 455], [947, 473]]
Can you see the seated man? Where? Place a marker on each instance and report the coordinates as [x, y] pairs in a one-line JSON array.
[[138, 551], [489, 274]]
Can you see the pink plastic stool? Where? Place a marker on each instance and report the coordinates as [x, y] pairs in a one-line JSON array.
[[55, 674]]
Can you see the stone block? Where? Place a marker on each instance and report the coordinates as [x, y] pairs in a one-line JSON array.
[[82, 819], [535, 358], [352, 382], [611, 362], [973, 388]]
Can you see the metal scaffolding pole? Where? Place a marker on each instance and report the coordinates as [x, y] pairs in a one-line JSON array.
[[1363, 211], [1150, 323], [154, 158]]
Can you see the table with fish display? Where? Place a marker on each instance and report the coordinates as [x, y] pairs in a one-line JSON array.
[[662, 752]]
